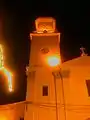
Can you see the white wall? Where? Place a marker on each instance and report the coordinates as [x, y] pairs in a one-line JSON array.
[[75, 89]]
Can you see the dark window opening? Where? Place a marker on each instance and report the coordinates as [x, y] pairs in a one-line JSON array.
[[45, 90], [88, 86]]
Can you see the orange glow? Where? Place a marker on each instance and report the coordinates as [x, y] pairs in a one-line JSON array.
[[1, 57], [53, 61], [3, 117], [8, 74]]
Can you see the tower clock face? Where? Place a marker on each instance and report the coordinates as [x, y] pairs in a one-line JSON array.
[[44, 50]]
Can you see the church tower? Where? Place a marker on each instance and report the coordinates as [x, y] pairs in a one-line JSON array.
[[43, 91]]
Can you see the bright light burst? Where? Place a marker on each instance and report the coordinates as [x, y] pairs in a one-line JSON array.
[[53, 61]]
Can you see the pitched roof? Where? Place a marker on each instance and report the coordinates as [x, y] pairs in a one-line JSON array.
[[80, 61]]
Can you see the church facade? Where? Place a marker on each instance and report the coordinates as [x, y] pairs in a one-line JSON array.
[[55, 90]]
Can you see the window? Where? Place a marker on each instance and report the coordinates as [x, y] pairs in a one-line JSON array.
[[88, 86], [45, 91]]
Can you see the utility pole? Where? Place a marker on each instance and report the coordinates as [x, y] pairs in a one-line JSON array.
[[58, 74], [55, 87]]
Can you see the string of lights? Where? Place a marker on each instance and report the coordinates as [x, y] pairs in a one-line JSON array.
[[8, 74]]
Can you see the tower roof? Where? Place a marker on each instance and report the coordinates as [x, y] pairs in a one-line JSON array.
[[45, 19], [80, 61]]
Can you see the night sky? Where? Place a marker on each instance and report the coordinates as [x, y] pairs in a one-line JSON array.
[[17, 18]]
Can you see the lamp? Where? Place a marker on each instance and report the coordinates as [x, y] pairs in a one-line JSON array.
[[53, 61]]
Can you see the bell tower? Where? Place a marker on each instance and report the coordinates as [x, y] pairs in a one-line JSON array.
[[44, 55]]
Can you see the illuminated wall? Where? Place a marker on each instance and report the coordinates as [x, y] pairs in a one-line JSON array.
[[77, 98], [72, 80], [40, 95], [13, 111], [41, 43]]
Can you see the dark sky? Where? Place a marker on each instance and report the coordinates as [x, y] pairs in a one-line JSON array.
[[73, 21]]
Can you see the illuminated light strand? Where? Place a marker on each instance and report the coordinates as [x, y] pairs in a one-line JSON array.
[[1, 57], [8, 74]]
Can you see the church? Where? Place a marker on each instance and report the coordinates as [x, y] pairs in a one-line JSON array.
[[55, 90]]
